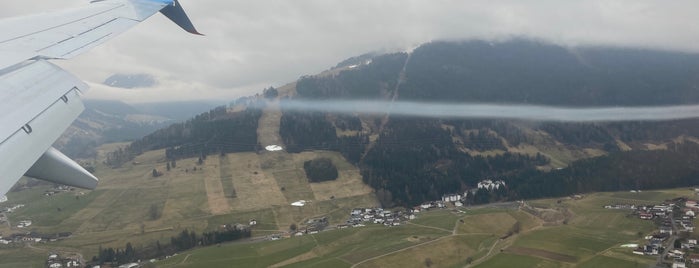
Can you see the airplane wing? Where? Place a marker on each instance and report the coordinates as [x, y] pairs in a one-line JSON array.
[[39, 100]]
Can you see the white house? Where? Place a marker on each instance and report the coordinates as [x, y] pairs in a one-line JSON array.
[[451, 197], [490, 184]]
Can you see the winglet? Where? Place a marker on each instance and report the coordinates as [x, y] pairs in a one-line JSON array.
[[177, 15]]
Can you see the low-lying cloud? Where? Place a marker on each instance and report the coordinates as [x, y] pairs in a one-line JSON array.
[[494, 111]]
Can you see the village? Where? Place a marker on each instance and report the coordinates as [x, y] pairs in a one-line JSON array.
[[672, 242], [56, 261], [360, 217]]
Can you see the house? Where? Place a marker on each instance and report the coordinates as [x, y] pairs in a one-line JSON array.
[[679, 264], [253, 222], [451, 197], [686, 245], [458, 204], [73, 263], [411, 217], [55, 265], [645, 216], [666, 230], [650, 250], [490, 184], [694, 258]]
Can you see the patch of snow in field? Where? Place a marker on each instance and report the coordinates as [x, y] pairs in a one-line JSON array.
[[274, 148]]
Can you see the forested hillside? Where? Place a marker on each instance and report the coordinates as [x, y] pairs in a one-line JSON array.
[[217, 131], [412, 160], [409, 160]]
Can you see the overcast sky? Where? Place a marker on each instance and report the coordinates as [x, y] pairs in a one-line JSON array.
[[250, 45]]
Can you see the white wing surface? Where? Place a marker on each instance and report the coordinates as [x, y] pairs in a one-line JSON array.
[[39, 100]]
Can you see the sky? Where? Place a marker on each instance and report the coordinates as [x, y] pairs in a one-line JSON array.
[[251, 45]]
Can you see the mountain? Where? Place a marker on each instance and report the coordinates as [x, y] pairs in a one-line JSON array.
[[107, 121], [412, 160]]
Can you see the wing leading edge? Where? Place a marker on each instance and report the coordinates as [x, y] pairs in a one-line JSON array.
[[39, 99]]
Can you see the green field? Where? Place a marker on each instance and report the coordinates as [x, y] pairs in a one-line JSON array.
[[590, 236], [454, 238], [341, 247], [132, 206]]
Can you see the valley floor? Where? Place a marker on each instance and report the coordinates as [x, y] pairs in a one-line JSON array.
[[562, 232]]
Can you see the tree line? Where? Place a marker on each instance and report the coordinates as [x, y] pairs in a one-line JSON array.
[[213, 132], [183, 241]]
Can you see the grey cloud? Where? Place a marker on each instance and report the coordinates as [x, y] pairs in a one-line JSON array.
[[272, 42]]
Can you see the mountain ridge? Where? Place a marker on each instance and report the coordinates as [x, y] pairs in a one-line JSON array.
[[411, 160]]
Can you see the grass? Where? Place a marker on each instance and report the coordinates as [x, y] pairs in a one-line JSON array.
[[604, 261], [242, 255], [496, 224], [447, 252], [22, 257], [295, 185], [48, 211], [566, 240], [512, 260], [342, 247], [443, 219], [118, 212], [226, 177], [265, 219]]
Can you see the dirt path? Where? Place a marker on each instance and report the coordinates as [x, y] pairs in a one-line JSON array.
[[185, 258], [268, 125], [394, 96], [218, 204]]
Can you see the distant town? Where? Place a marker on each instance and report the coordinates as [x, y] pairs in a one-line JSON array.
[[670, 242]]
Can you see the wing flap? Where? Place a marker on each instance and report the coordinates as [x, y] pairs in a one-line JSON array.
[[28, 90], [27, 144]]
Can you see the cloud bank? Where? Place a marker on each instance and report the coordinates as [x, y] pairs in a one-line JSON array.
[[254, 44], [494, 111]]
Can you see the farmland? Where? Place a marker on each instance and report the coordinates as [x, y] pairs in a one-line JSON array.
[[588, 236]]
